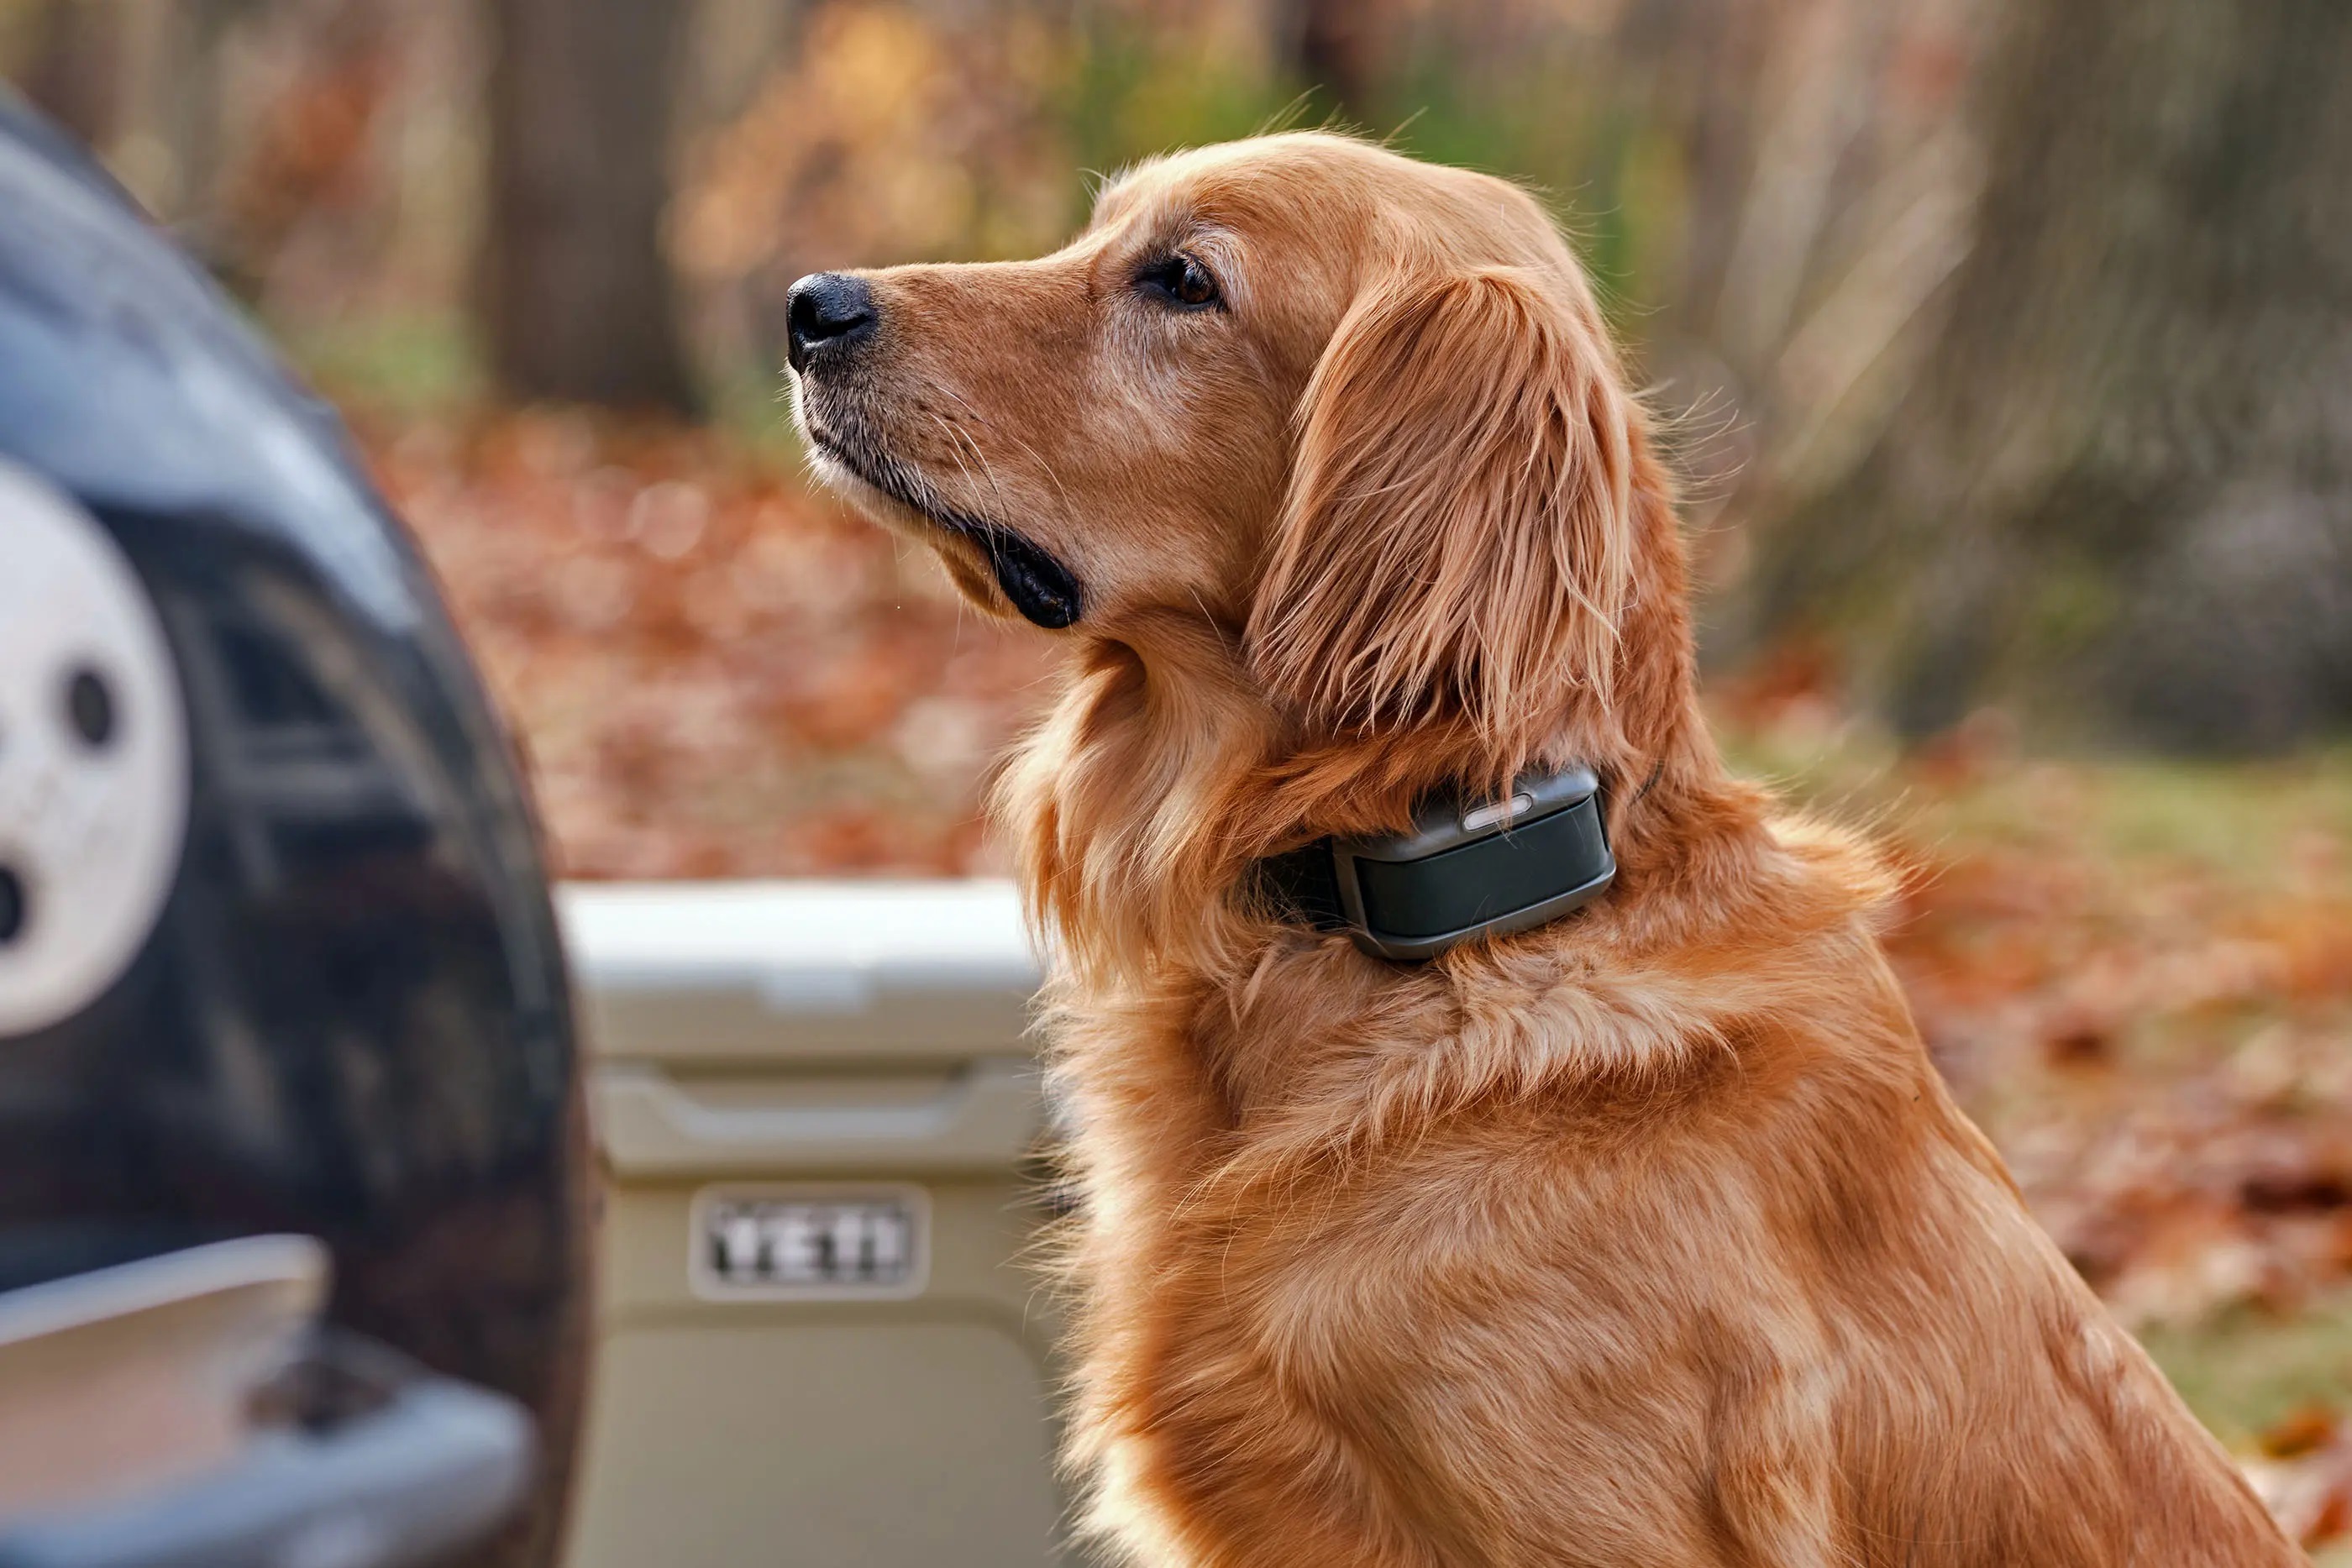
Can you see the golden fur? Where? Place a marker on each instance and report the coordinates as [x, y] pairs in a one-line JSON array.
[[1647, 1238]]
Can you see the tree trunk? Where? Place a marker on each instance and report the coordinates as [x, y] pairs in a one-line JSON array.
[[577, 296], [2121, 492], [1334, 50], [76, 71]]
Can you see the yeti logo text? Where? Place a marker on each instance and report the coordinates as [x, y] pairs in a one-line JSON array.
[[774, 1244]]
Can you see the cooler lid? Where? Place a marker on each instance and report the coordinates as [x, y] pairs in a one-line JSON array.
[[737, 973]]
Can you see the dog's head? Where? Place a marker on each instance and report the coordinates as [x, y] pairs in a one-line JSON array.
[[1360, 413]]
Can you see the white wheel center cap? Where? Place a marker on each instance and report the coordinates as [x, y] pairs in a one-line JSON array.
[[93, 757]]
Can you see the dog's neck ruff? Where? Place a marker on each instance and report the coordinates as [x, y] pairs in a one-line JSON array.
[[1463, 871]]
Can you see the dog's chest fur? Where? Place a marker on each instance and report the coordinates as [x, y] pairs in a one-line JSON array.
[[1352, 1294]]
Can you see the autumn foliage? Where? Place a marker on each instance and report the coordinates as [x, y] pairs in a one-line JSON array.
[[714, 673]]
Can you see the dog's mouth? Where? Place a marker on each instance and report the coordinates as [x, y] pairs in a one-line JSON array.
[[1031, 579]]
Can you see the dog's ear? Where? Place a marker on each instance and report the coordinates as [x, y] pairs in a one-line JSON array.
[[1456, 539]]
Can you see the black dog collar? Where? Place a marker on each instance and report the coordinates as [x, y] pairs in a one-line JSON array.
[[1462, 872]]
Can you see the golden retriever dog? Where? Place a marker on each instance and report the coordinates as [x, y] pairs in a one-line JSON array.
[[1646, 1236]]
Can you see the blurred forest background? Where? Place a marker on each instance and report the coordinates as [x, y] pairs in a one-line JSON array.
[[2006, 345]]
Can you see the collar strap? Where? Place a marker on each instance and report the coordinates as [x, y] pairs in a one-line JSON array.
[[1462, 872]]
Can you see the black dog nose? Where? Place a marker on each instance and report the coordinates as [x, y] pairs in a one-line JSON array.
[[828, 308]]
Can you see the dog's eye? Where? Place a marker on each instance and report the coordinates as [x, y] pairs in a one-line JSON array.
[[1179, 281]]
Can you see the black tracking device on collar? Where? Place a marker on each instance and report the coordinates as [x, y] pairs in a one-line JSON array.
[[1487, 869]]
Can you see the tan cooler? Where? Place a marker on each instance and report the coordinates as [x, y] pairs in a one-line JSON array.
[[821, 1341]]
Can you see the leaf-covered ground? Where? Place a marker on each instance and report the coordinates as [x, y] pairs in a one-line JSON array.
[[2137, 974], [714, 673]]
